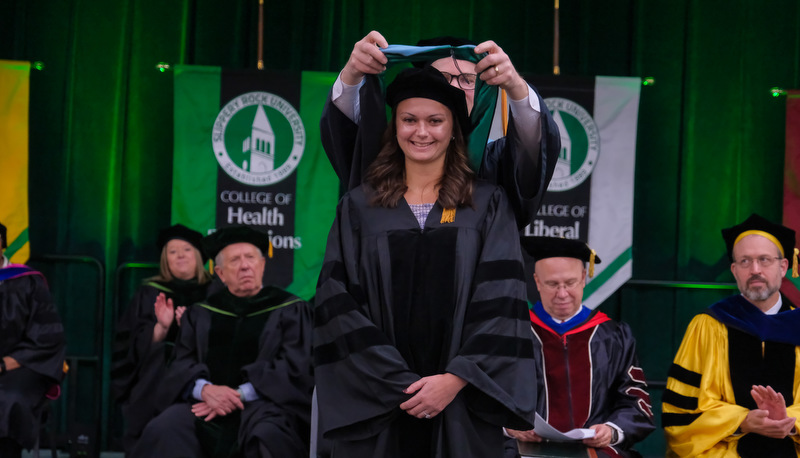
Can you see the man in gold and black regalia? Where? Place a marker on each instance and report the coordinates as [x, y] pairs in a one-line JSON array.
[[733, 386], [242, 377]]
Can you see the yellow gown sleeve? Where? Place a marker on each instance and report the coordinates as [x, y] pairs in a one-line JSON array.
[[794, 409], [700, 413]]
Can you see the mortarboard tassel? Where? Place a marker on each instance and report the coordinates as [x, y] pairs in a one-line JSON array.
[[591, 263], [269, 251], [448, 215], [794, 263]]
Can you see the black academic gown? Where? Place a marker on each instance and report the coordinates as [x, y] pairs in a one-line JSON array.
[[524, 175], [396, 303], [31, 333], [138, 365], [264, 340]]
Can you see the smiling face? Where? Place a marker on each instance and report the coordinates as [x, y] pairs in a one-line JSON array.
[[560, 282], [424, 129], [181, 259], [758, 284], [240, 266]]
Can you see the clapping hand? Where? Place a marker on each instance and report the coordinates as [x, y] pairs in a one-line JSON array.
[[165, 314], [770, 418]]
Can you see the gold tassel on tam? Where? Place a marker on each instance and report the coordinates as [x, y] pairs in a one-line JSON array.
[[794, 263], [270, 248], [448, 215], [591, 263]]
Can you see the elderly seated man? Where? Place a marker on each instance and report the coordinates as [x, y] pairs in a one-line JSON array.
[[589, 374], [242, 375], [32, 352]]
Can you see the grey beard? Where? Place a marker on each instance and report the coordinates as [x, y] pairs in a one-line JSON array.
[[759, 296]]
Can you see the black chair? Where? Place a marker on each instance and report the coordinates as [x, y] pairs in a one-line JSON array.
[[45, 422]]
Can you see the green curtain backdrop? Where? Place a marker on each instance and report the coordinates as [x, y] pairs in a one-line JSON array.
[[710, 136]]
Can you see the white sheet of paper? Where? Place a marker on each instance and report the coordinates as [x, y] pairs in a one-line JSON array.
[[544, 430]]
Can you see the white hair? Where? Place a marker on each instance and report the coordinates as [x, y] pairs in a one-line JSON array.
[[218, 259]]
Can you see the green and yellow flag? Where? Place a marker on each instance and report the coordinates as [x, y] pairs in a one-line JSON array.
[[14, 90]]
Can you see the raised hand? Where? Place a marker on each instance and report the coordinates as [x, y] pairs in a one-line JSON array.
[[366, 58], [496, 69], [768, 399], [179, 314], [165, 314]]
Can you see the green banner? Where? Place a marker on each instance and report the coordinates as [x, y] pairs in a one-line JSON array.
[[247, 151]]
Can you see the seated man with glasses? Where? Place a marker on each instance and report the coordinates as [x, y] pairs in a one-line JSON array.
[[588, 373], [522, 162], [734, 386]]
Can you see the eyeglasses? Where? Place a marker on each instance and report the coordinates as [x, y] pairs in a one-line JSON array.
[[465, 81], [568, 286], [763, 261]]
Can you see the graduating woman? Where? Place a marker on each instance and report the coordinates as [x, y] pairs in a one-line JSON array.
[[147, 332], [422, 346]]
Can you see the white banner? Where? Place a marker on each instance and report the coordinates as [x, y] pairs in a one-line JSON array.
[[591, 194]]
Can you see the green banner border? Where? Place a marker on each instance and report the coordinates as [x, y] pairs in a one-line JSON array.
[[16, 244], [614, 267]]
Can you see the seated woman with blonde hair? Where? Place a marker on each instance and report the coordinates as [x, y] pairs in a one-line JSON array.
[[147, 331]]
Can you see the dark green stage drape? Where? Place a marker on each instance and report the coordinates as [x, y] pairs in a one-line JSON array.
[[710, 137]]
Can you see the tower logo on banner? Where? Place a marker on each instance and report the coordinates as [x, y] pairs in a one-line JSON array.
[[243, 156], [258, 138], [580, 144]]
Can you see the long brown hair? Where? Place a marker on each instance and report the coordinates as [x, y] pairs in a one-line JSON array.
[[386, 174]]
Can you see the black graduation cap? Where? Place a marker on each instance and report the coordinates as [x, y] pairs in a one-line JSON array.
[[3, 233], [782, 236], [556, 247], [225, 236], [179, 231], [441, 41], [429, 83]]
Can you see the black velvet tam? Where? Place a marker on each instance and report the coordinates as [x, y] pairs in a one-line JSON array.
[[754, 222], [225, 236], [179, 231], [555, 247]]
